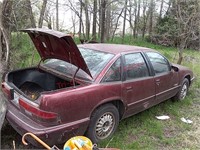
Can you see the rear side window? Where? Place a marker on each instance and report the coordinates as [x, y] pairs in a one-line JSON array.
[[160, 64], [135, 66], [114, 73]]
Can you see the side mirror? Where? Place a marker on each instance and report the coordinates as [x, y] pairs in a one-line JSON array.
[[176, 69]]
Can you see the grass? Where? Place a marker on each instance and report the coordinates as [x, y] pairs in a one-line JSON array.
[[143, 130]]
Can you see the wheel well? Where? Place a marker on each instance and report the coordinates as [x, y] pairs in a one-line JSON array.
[[120, 107], [118, 104], [188, 77]]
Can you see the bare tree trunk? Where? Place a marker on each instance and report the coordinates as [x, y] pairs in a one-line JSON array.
[[181, 35], [29, 9], [5, 32], [180, 50], [103, 9], [73, 17], [138, 18], [57, 18], [49, 23], [151, 17], [94, 37], [145, 18], [130, 16], [42, 13], [161, 9], [198, 9], [169, 5], [87, 22], [135, 22], [53, 22], [124, 23], [100, 17], [3, 66], [117, 24], [1, 35], [83, 30], [108, 21], [80, 19]]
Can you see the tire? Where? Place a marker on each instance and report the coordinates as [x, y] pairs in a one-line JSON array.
[[183, 91], [103, 123]]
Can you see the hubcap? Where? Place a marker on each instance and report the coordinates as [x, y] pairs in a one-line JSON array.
[[183, 91], [105, 125]]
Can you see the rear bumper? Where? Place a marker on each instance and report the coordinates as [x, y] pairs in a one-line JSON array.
[[50, 135]]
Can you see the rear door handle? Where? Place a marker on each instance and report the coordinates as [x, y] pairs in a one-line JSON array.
[[129, 88], [158, 81]]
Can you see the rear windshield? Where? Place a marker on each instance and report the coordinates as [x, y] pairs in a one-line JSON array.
[[95, 61]]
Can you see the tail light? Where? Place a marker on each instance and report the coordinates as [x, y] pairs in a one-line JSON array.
[[7, 91], [44, 115]]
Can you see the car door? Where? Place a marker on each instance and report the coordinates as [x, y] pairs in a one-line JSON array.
[[166, 79], [138, 87], [110, 87]]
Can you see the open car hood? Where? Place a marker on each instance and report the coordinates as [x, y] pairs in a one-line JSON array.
[[54, 44]]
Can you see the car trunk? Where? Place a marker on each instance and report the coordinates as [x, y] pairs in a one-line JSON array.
[[33, 81]]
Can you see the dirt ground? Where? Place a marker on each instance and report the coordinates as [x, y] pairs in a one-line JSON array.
[[10, 139]]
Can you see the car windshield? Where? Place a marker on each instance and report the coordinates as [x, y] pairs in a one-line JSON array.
[[95, 61]]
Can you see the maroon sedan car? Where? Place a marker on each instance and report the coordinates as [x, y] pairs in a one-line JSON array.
[[87, 89]]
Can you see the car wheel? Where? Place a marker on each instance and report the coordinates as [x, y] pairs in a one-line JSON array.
[[183, 90], [103, 123]]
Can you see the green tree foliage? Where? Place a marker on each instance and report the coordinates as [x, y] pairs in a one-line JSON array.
[[167, 25], [180, 24]]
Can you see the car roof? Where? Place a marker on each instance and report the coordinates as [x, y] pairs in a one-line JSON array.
[[114, 48]]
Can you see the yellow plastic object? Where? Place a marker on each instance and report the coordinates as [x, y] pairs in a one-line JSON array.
[[78, 143]]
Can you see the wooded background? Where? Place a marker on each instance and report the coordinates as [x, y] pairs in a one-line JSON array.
[[165, 22]]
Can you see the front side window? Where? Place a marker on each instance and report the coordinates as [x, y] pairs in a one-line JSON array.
[[160, 64], [135, 66], [114, 73]]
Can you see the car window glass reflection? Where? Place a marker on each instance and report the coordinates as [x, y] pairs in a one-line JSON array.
[[114, 73], [135, 66], [95, 61], [159, 63]]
